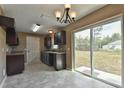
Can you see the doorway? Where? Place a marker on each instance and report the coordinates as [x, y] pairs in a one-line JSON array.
[[33, 48]]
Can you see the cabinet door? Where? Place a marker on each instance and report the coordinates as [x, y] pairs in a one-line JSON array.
[[60, 38], [11, 38], [55, 39], [15, 64], [47, 42], [7, 21]]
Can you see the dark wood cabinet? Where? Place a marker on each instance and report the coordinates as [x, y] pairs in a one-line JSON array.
[[48, 42], [11, 37], [55, 59], [15, 64], [47, 58], [60, 38], [7, 21]]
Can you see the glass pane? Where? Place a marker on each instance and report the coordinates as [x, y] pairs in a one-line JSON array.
[[82, 51], [107, 52]]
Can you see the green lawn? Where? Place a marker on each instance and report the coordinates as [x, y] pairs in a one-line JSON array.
[[102, 60]]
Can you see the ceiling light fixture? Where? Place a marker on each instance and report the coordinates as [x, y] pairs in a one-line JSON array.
[[67, 17], [50, 31], [35, 27]]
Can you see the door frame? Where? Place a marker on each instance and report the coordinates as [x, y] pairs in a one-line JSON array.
[[107, 20]]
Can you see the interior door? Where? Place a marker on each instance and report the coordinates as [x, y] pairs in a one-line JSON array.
[[33, 48], [29, 49], [37, 48]]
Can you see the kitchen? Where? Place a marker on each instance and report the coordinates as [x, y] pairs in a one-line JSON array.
[[53, 54], [49, 55]]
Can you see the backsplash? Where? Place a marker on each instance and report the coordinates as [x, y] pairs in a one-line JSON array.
[[62, 47], [11, 48]]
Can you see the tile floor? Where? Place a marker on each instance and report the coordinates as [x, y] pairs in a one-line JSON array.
[[38, 75]]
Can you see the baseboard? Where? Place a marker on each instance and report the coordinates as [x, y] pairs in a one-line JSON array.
[[3, 81]]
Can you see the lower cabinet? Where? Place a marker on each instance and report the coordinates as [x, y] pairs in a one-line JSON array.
[[57, 60], [15, 64], [47, 58]]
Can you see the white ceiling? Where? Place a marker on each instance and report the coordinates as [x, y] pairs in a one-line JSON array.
[[28, 14]]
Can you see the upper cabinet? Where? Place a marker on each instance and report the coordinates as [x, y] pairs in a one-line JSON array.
[[60, 38], [6, 21], [11, 37], [48, 42]]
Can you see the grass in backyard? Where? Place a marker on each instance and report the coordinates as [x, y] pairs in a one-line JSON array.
[[103, 60]]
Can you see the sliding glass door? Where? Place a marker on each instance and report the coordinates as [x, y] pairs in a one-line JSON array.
[[97, 51], [82, 51], [107, 52]]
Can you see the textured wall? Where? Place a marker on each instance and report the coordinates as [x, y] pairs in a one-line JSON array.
[[2, 51], [22, 40], [101, 14]]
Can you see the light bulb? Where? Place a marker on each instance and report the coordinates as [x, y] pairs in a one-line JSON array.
[[58, 14], [68, 6], [50, 31], [73, 14]]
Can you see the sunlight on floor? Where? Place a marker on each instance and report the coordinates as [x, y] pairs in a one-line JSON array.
[[116, 79]]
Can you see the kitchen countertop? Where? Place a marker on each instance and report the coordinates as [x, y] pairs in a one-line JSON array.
[[55, 52], [15, 53]]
